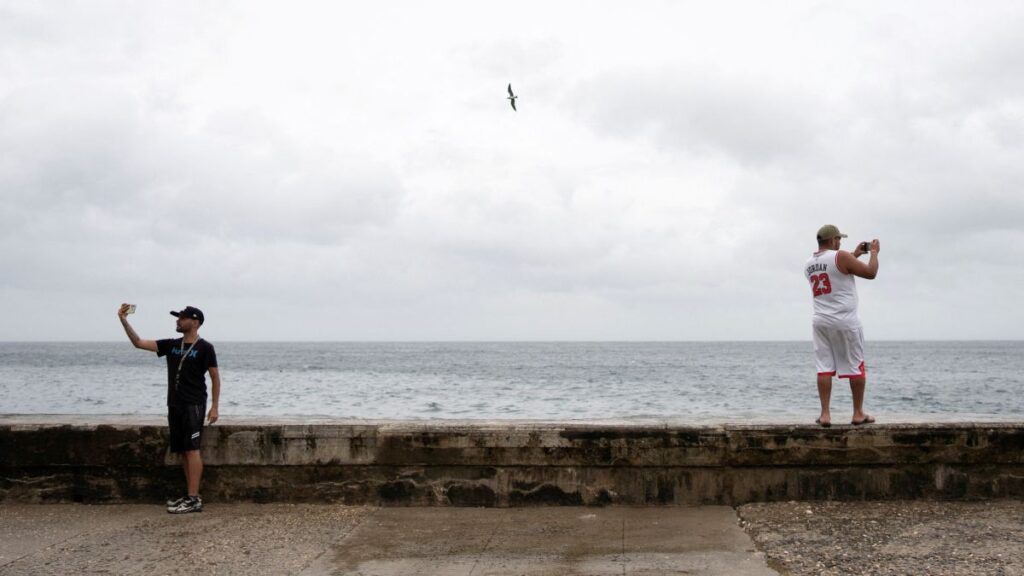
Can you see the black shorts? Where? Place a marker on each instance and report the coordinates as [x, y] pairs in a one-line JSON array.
[[186, 423]]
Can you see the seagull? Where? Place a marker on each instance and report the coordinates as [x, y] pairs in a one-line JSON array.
[[511, 97]]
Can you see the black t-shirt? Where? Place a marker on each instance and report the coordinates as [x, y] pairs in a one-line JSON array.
[[190, 388]]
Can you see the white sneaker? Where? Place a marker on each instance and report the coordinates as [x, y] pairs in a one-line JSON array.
[[189, 504]]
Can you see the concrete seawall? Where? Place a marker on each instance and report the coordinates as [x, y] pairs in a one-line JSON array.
[[125, 459]]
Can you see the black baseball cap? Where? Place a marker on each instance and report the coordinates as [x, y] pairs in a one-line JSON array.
[[190, 312]]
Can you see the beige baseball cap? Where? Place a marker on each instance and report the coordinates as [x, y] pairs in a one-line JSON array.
[[828, 232]]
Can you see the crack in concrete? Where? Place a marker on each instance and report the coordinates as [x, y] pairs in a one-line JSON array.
[[30, 481], [341, 540], [483, 550], [623, 545]]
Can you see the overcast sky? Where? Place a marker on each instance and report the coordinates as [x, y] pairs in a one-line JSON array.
[[353, 171]]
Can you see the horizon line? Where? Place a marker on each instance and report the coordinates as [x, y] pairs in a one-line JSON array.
[[512, 341]]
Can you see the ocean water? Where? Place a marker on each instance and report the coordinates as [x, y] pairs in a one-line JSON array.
[[679, 381]]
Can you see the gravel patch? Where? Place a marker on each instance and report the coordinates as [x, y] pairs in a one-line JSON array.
[[900, 537]]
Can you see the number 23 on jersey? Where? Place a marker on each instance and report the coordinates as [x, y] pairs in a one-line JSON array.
[[820, 284]]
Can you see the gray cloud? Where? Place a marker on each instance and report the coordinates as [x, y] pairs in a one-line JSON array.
[[96, 179], [322, 174], [702, 112]]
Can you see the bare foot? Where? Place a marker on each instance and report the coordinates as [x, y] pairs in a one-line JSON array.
[[824, 421], [867, 419]]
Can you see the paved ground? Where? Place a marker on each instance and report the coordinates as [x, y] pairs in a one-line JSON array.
[[143, 539], [548, 541], [323, 539], [797, 538]]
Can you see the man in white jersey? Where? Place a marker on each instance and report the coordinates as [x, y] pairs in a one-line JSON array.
[[838, 335]]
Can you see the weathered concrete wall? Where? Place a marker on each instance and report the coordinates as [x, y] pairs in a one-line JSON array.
[[513, 464]]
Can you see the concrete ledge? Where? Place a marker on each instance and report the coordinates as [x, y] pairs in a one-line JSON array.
[[512, 463]]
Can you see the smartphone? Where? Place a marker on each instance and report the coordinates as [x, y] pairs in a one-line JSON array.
[[865, 247], [130, 310]]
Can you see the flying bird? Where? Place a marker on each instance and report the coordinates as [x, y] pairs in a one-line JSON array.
[[511, 97]]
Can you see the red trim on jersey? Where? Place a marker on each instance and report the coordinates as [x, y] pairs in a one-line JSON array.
[[832, 373], [862, 372], [838, 267]]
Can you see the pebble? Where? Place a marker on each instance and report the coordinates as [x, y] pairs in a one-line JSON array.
[[891, 537]]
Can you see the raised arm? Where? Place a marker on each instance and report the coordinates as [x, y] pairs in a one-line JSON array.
[[139, 343], [851, 265]]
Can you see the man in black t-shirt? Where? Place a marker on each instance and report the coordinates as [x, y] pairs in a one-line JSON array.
[[189, 358]]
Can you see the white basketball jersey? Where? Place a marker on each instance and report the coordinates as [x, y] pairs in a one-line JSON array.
[[835, 292]]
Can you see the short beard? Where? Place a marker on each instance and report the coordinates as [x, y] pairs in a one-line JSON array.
[[180, 329]]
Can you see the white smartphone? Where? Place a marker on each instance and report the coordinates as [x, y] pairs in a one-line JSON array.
[[130, 310]]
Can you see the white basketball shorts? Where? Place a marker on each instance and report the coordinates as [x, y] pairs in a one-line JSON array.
[[839, 351]]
